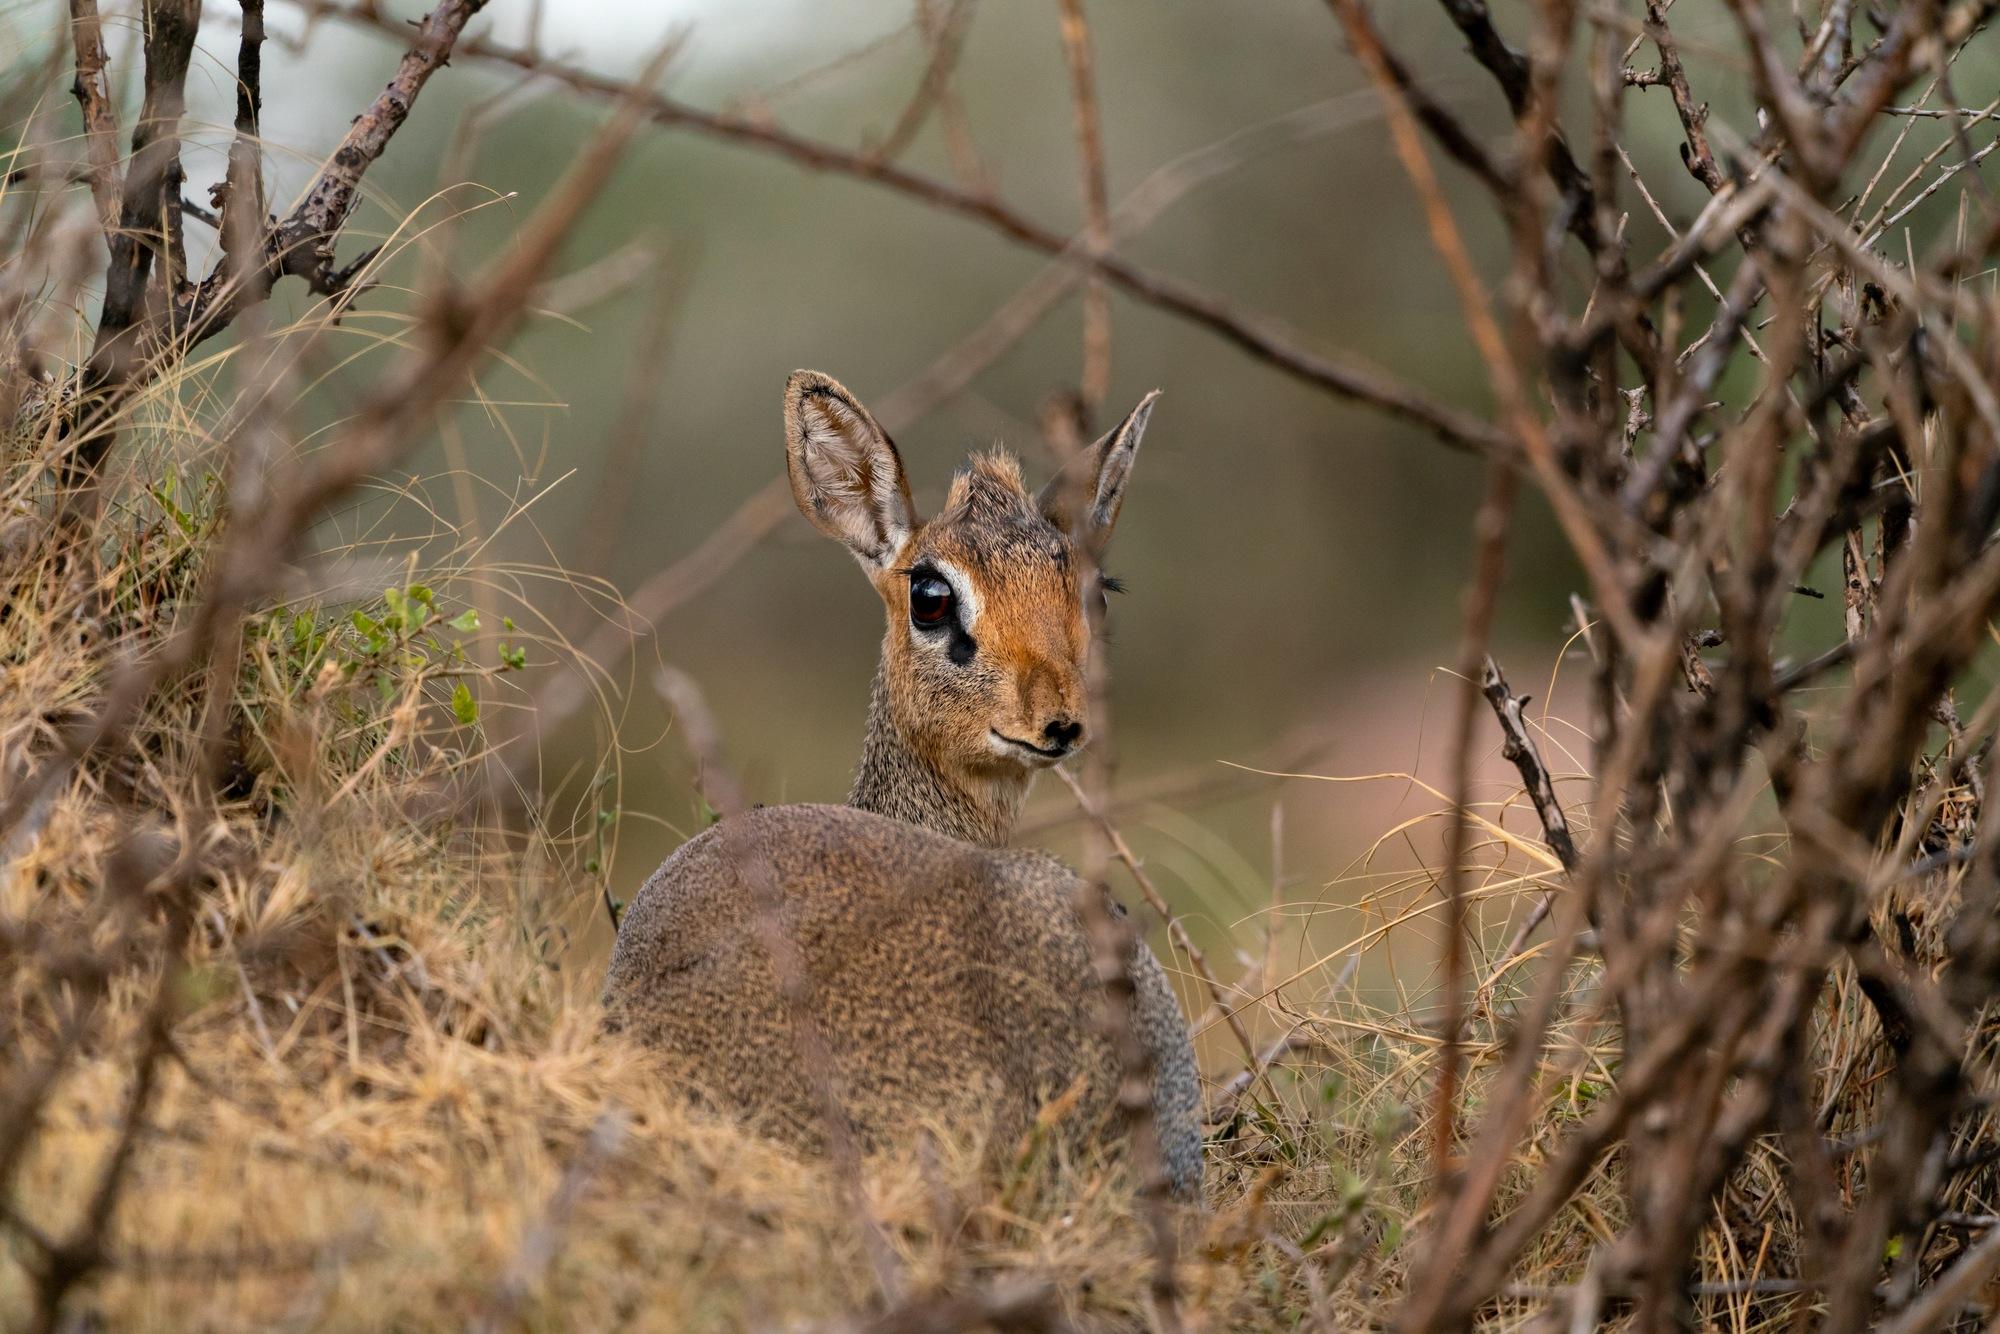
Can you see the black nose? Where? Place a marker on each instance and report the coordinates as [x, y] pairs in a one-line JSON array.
[[1062, 733]]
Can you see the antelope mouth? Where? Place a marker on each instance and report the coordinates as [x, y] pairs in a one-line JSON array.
[[1047, 755]]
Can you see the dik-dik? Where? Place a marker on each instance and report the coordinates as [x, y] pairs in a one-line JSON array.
[[944, 975]]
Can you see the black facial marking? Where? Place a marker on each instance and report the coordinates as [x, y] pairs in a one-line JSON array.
[[934, 611]]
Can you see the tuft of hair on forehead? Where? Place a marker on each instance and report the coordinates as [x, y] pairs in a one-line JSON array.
[[990, 476], [999, 465]]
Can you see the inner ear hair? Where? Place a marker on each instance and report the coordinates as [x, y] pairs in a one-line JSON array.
[[846, 475]]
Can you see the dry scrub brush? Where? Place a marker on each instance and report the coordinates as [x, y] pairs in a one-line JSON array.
[[291, 1031], [1790, 1097]]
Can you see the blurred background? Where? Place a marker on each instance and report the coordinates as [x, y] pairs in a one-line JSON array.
[[1294, 561]]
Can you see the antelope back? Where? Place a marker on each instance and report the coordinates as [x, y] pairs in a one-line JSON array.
[[943, 978]]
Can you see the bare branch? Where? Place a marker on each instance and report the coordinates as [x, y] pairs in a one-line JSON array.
[[242, 207], [303, 243], [1521, 750], [149, 208], [1258, 336], [1157, 901], [100, 123], [1096, 378], [947, 38]]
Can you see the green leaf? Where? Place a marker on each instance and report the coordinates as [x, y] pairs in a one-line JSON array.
[[398, 616], [164, 493], [466, 621], [463, 706], [385, 688], [420, 594], [1321, 1226], [506, 622], [512, 657], [365, 623]]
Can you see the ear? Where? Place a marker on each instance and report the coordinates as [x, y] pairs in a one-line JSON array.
[[1083, 498], [846, 475]]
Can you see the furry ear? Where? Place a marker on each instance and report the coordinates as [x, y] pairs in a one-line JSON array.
[[846, 475], [1083, 498]]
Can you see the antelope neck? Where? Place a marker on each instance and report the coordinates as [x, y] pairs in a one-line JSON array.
[[898, 780]]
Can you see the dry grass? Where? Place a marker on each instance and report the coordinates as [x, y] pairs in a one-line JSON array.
[[387, 1101]]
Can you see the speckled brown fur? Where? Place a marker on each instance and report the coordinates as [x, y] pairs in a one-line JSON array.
[[947, 976]]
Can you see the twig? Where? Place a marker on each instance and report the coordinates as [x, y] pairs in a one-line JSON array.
[[1182, 940], [1113, 943], [1521, 751], [947, 42], [1096, 379], [1697, 156], [719, 786], [100, 123], [242, 208], [1491, 526], [148, 211], [1239, 1083]]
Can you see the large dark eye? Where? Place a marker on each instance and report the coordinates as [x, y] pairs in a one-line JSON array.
[[931, 600]]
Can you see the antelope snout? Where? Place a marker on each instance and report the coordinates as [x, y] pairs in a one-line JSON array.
[[1041, 741], [1047, 722], [1062, 732]]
